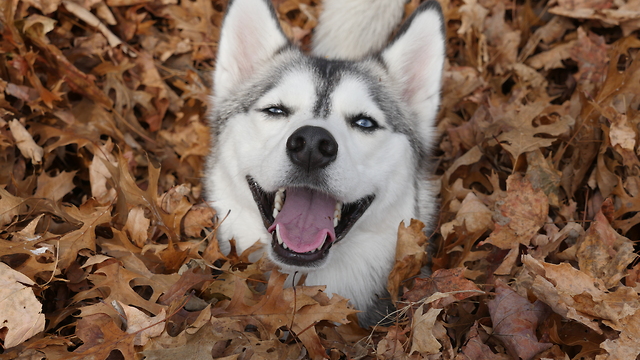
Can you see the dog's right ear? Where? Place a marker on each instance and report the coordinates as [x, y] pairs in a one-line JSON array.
[[250, 35], [415, 60]]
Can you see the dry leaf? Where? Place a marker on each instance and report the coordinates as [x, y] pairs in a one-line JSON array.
[[410, 255], [101, 336], [10, 206], [603, 253], [280, 307], [475, 347], [519, 215], [542, 175], [451, 283], [118, 283], [99, 175], [20, 312], [55, 187], [142, 325], [83, 238], [627, 345], [25, 143], [422, 324], [515, 320], [473, 213], [138, 226], [578, 296]]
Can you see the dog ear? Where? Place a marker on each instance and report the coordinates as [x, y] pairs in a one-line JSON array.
[[250, 35], [415, 59]]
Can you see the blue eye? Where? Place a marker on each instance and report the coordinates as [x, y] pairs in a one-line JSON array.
[[276, 111], [364, 122]]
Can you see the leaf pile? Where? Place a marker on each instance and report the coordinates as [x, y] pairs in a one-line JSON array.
[[106, 247]]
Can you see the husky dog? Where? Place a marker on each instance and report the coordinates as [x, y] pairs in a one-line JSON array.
[[321, 159]]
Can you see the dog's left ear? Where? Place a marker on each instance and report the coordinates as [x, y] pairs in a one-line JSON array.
[[250, 35], [415, 59]]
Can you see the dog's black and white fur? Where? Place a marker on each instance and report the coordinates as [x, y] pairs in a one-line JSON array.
[[320, 159]]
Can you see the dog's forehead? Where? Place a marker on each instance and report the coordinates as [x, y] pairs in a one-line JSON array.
[[325, 82], [330, 74]]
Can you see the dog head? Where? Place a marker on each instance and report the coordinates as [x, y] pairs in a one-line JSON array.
[[305, 147]]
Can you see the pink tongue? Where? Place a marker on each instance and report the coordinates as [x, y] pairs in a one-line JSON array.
[[305, 219]]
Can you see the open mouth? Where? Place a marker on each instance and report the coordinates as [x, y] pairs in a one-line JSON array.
[[305, 223]]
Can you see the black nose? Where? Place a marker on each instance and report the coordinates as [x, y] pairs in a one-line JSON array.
[[312, 147]]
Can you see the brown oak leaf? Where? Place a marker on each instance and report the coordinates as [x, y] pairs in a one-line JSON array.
[[410, 255], [298, 308], [519, 215], [515, 320]]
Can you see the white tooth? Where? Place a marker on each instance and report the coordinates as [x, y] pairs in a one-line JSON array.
[[335, 221], [279, 199], [275, 212], [323, 241], [278, 236], [285, 246]]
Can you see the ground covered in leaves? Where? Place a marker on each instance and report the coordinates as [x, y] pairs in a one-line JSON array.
[[105, 241]]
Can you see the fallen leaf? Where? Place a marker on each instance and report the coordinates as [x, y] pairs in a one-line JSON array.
[[83, 238], [448, 282], [101, 336], [20, 312], [99, 175], [472, 17], [410, 255], [46, 6], [199, 217], [542, 175], [143, 326], [422, 324], [54, 187], [519, 215], [501, 37], [603, 253], [515, 321], [114, 283], [391, 347], [521, 135], [25, 143], [473, 213], [578, 296], [590, 51], [137, 226], [280, 307], [475, 347], [627, 345], [546, 34], [10, 206]]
